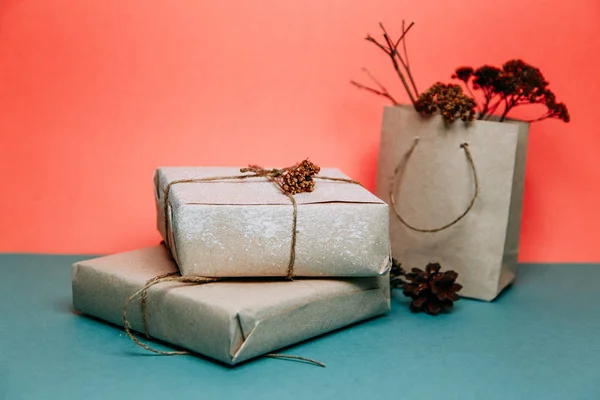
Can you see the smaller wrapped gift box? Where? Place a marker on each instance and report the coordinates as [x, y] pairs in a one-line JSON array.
[[243, 228], [230, 321]]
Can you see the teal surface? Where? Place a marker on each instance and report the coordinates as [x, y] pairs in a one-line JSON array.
[[539, 340]]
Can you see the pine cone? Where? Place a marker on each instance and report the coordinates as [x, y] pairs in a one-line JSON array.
[[299, 179], [432, 291]]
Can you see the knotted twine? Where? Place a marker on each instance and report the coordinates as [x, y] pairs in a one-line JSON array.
[[274, 176], [399, 172]]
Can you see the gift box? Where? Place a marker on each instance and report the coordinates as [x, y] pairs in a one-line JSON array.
[[230, 320], [243, 227], [455, 194]]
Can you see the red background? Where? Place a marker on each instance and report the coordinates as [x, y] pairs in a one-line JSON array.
[[95, 94]]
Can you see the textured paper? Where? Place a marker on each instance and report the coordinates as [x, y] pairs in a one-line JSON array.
[[243, 228], [228, 321], [437, 186]]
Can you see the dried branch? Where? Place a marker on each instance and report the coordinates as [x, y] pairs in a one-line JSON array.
[[407, 66], [394, 52], [514, 100], [404, 43], [474, 98], [375, 91], [485, 112], [543, 117], [372, 77], [495, 106], [391, 51], [382, 92], [401, 66], [404, 32], [371, 39]]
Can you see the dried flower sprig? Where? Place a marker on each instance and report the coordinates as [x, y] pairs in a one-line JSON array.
[[449, 100], [431, 291], [292, 180], [299, 179]]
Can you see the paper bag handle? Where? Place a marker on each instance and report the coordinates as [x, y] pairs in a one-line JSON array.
[[399, 171]]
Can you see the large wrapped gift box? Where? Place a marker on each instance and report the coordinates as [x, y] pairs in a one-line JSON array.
[[230, 321], [239, 228]]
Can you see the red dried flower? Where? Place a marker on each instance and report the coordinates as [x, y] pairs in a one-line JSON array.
[[514, 84], [463, 73]]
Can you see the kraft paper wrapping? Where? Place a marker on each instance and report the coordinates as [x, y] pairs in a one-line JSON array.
[[243, 228], [437, 186], [230, 321]]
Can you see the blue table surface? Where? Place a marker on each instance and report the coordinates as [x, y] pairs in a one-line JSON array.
[[539, 340]]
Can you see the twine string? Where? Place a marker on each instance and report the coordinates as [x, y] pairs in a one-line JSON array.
[[175, 277], [290, 273], [143, 293], [328, 178], [257, 172], [297, 358], [272, 175], [144, 300], [399, 173]]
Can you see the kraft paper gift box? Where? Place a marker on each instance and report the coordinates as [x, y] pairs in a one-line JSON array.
[[424, 164], [241, 228], [230, 321]]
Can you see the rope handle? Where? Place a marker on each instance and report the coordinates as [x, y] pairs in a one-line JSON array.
[[399, 171]]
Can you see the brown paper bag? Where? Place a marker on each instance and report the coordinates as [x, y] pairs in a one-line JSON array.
[[456, 204]]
